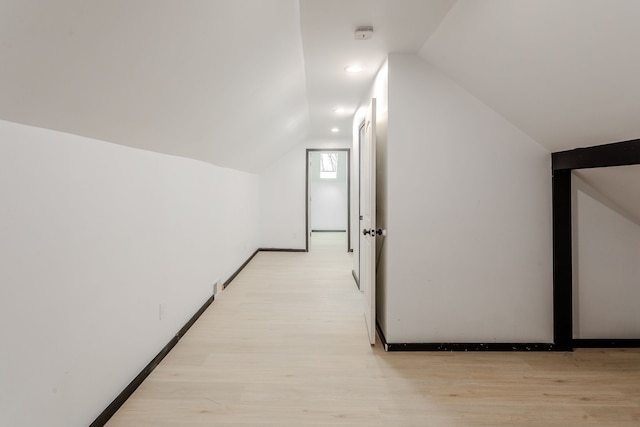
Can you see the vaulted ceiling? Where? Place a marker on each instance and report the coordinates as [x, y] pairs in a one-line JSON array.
[[563, 71], [219, 81], [239, 82], [329, 46]]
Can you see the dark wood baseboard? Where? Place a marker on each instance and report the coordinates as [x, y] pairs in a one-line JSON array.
[[464, 346], [355, 277], [470, 347], [106, 415], [133, 385], [606, 343], [233, 276], [281, 250]]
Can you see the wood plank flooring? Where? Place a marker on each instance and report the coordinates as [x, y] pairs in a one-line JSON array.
[[286, 345]]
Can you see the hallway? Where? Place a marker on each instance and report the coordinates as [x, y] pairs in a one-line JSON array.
[[285, 345]]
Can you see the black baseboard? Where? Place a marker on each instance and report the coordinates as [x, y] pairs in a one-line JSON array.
[[470, 347], [281, 250], [353, 273], [133, 385], [328, 231], [233, 276], [606, 343], [464, 346]]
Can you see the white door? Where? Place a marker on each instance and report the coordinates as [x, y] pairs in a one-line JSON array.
[[368, 222]]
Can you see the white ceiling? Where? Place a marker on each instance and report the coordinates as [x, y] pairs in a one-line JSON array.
[[619, 185], [239, 82], [329, 46], [218, 81], [563, 71], [230, 82]]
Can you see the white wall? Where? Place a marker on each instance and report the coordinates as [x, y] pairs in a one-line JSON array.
[[328, 204], [606, 267], [95, 236], [468, 254], [282, 196]]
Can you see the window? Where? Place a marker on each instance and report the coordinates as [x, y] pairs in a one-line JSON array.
[[328, 165]]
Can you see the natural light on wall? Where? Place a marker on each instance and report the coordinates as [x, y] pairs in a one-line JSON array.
[[328, 165]]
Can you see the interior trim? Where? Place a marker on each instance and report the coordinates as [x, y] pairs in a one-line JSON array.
[[383, 340], [328, 231], [233, 276], [562, 260], [355, 277], [113, 407], [280, 250], [464, 346], [606, 343], [623, 153], [471, 347], [306, 194]]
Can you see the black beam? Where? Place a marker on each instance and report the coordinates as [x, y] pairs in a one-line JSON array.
[[562, 261], [617, 154]]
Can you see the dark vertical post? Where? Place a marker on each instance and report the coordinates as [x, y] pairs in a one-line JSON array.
[[306, 200], [349, 249], [562, 261]]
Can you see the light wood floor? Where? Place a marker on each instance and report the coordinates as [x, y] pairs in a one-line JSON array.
[[286, 345]]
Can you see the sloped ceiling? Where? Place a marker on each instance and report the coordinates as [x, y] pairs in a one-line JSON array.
[[218, 81], [329, 46], [619, 185], [239, 82], [563, 71]]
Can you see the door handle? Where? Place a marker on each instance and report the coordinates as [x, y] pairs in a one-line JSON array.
[[373, 232]]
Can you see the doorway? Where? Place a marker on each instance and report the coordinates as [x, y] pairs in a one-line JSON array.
[[328, 192]]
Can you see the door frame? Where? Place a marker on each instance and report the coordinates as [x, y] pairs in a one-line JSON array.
[[360, 140], [625, 153], [369, 220], [306, 193]]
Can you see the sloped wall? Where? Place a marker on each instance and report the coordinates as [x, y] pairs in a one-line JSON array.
[[606, 267], [95, 237]]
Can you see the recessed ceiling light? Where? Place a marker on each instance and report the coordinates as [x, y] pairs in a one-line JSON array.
[[335, 130], [353, 68], [342, 111]]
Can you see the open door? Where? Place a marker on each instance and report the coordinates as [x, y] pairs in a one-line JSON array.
[[368, 220]]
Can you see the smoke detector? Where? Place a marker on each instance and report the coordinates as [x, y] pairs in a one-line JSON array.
[[364, 33]]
